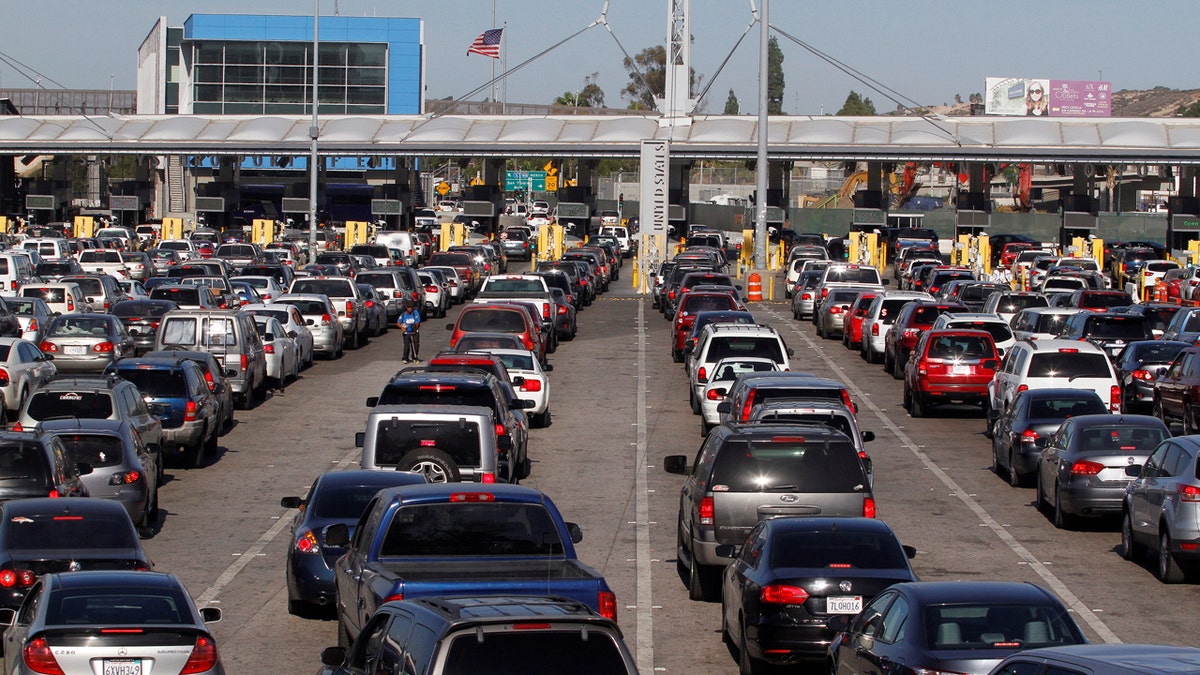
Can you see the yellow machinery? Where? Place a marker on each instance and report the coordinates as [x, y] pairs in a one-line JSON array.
[[85, 226], [262, 231], [973, 252]]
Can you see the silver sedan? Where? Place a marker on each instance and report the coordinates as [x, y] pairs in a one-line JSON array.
[[87, 343], [23, 368]]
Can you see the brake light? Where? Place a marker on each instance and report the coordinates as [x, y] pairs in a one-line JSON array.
[[326, 320], [875, 329], [527, 341], [1085, 468], [245, 362], [835, 310], [714, 395], [562, 309], [607, 602], [868, 507], [70, 304], [500, 430], [14, 578], [1114, 398], [782, 594], [3, 377], [209, 379], [48, 346], [1022, 388], [824, 293], [1143, 375], [203, 657], [349, 306], [671, 294], [747, 405], [546, 310], [189, 413], [103, 347], [806, 296], [459, 497], [269, 349], [706, 511], [1188, 493], [40, 659], [701, 374], [1029, 436]]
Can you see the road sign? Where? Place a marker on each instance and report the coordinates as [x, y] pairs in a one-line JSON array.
[[534, 181], [551, 184], [386, 207], [443, 188], [39, 202]]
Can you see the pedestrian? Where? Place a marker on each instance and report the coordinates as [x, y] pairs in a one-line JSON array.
[[410, 323]]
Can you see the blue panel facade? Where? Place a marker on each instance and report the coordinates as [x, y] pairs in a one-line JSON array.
[[402, 37]]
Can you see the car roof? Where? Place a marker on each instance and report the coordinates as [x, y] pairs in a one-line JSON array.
[[829, 524], [784, 429], [83, 426], [1059, 345], [116, 578], [1003, 592], [1132, 658], [369, 477], [48, 505]]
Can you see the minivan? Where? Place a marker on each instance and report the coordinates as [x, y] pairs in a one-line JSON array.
[[15, 270]]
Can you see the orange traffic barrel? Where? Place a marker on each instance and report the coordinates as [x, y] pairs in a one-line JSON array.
[[754, 288]]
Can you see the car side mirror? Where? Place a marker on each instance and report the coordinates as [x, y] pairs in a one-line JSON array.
[[290, 502], [910, 552], [1133, 470], [791, 352], [727, 551], [372, 401], [360, 439], [991, 364], [575, 532], [1041, 442], [47, 357], [83, 468], [839, 623], [337, 534], [333, 656], [676, 464], [868, 436], [724, 407], [292, 334]]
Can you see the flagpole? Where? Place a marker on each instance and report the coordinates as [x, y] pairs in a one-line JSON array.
[[493, 60], [504, 71]]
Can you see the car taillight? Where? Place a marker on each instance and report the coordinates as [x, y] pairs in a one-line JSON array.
[[868, 507], [835, 310], [326, 320], [714, 395], [203, 657], [103, 347], [546, 311], [269, 349], [1023, 387], [527, 341], [531, 385], [1143, 375], [875, 329], [349, 307], [209, 379], [1085, 468], [70, 304], [189, 413], [848, 401], [701, 374], [500, 430], [562, 309], [3, 377], [806, 296], [431, 289], [747, 405], [706, 511], [607, 603], [1114, 398], [307, 543], [15, 578], [245, 362], [671, 295], [1029, 436], [124, 478], [824, 293], [488, 477], [782, 594], [48, 346], [40, 659], [1188, 493]]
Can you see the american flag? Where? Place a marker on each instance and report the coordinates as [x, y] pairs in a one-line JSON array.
[[487, 44]]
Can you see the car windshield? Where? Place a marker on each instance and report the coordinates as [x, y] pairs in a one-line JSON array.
[[48, 532], [837, 549], [182, 296], [440, 394], [999, 330], [1069, 365], [79, 326], [20, 308], [22, 464], [994, 626], [471, 529], [495, 320], [96, 450], [157, 382], [730, 370], [790, 463], [580, 652], [115, 605]]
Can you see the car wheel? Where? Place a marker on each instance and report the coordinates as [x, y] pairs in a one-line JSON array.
[[1168, 570], [1130, 549], [1158, 410], [242, 401], [820, 331], [917, 406], [693, 401], [795, 314], [210, 444], [1062, 519], [437, 466], [906, 403], [888, 363], [700, 582], [996, 467], [1041, 502], [897, 368], [681, 568], [747, 665], [676, 355], [364, 337], [541, 420], [193, 457]]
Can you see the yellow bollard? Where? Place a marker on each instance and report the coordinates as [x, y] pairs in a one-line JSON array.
[[771, 288]]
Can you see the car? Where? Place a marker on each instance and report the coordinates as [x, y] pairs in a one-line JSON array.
[[1110, 331], [1158, 315], [191, 413], [1159, 511], [881, 315], [164, 259], [34, 316], [23, 368], [338, 496], [853, 323], [437, 295], [828, 413], [1138, 366], [780, 469], [1008, 303], [791, 574], [33, 465], [1042, 364], [454, 284], [804, 295], [267, 287], [230, 335], [502, 318], [1176, 391], [141, 318], [128, 620], [534, 384], [830, 317], [294, 325], [949, 365], [86, 343], [723, 340], [753, 388], [992, 324], [1102, 659], [320, 318], [348, 303], [1039, 323], [566, 321], [45, 535], [689, 306], [375, 303], [1081, 471], [1025, 426], [1099, 301], [92, 397], [282, 352], [949, 626], [100, 291], [724, 373], [913, 319], [486, 341], [124, 468], [1184, 326], [188, 296]]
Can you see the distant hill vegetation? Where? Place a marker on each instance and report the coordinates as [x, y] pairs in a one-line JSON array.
[[1156, 102]]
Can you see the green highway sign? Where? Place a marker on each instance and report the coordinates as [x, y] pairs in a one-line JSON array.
[[520, 180]]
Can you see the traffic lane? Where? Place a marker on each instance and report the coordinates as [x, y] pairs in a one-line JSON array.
[[1124, 596]]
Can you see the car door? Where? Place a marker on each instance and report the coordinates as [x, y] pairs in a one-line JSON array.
[[739, 582], [1049, 459], [149, 426], [364, 655], [1146, 490], [694, 489], [1170, 385], [856, 649], [349, 570]]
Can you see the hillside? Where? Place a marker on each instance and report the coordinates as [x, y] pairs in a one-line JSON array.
[[1156, 102]]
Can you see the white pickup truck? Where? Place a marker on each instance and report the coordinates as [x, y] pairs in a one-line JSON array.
[[104, 261], [526, 288]]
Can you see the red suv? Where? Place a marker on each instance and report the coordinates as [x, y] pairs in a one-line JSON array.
[[1100, 301], [949, 366], [852, 333], [689, 306], [914, 318], [499, 318]]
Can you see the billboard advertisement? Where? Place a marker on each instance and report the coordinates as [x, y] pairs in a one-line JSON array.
[[1047, 98]]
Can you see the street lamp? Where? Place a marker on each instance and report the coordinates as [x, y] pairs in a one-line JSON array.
[[313, 132]]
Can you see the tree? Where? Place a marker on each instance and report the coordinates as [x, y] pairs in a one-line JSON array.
[[651, 61], [774, 77], [1192, 110], [857, 105], [732, 107], [958, 99], [590, 96]]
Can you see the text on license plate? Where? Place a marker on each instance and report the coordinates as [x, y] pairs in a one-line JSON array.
[[844, 605], [960, 370], [74, 350], [122, 667]]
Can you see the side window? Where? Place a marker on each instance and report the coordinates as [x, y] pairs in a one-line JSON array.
[[704, 462], [1178, 461], [29, 607], [139, 404], [391, 650], [894, 621], [752, 550], [419, 651], [1054, 670], [368, 520], [365, 650], [867, 622], [1150, 470]]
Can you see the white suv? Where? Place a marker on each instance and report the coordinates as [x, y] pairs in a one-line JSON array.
[[1044, 364], [724, 340], [1001, 333], [882, 311]]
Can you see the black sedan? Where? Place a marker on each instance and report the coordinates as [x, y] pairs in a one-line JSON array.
[[1030, 420], [1082, 468], [141, 319], [335, 497], [1138, 366], [962, 627], [43, 535], [118, 621], [793, 574]]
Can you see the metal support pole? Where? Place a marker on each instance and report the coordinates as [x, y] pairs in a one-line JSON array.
[[313, 132], [760, 204]]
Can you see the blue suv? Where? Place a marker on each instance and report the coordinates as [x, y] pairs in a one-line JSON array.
[[191, 422]]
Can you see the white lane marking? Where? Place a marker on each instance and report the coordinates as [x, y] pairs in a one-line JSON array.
[[1072, 601], [645, 614], [210, 595]]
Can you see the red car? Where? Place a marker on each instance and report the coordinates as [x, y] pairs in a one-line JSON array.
[[914, 318], [499, 318], [852, 332], [1011, 249], [1100, 301], [949, 366], [689, 306]]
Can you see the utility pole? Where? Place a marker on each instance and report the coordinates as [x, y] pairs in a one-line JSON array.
[[760, 195], [313, 132]]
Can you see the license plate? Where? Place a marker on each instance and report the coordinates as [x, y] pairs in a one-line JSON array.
[[843, 605], [960, 370], [122, 667], [74, 350]]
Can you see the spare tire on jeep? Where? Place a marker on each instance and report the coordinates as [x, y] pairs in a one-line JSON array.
[[437, 466]]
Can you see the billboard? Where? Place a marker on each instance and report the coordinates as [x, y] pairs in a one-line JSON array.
[[1047, 98]]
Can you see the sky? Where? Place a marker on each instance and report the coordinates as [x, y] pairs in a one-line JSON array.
[[926, 50]]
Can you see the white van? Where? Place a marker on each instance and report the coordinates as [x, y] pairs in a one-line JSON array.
[[398, 239], [15, 270], [49, 248]]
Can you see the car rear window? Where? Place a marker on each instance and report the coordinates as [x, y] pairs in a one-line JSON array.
[[892, 307], [124, 606], [157, 382], [98, 451], [1120, 327], [837, 549], [1052, 323], [989, 626], [471, 342], [763, 394], [78, 326], [395, 438], [1158, 353], [925, 316], [843, 297], [1101, 300], [47, 294], [960, 347], [706, 303], [471, 529], [1123, 438], [23, 464], [517, 361], [1015, 303], [731, 370], [82, 404], [40, 532], [495, 320], [1065, 406], [999, 330], [862, 275], [835, 422], [730, 346], [438, 394], [89, 285], [789, 464], [1069, 365], [182, 296], [333, 288], [579, 652], [308, 307]]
